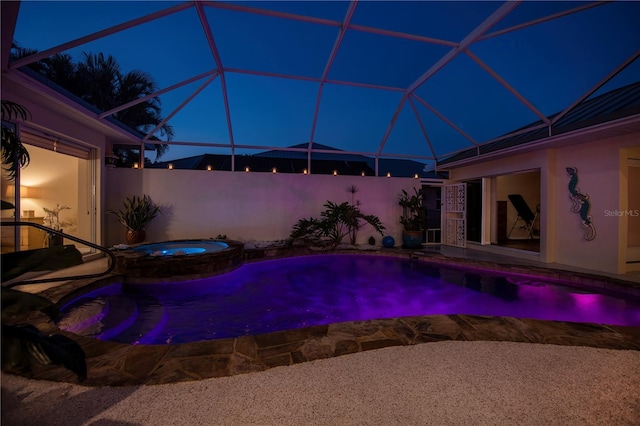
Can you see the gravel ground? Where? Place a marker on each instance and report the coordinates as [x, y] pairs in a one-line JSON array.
[[446, 383]]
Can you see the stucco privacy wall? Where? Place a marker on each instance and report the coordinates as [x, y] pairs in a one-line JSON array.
[[247, 206]]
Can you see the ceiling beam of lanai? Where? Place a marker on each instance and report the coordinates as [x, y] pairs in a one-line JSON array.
[[159, 92], [182, 105], [473, 36], [98, 35], [325, 74], [216, 56]]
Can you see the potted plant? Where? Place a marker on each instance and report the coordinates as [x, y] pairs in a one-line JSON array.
[[136, 214], [52, 220], [413, 218]]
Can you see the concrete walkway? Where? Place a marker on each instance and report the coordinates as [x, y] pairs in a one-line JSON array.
[[444, 383]]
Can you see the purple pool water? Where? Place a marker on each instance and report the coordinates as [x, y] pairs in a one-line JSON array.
[[303, 291]]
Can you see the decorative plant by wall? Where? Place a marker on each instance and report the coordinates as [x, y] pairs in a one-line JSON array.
[[580, 204], [335, 223]]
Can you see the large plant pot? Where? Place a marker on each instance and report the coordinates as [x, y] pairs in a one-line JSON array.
[[135, 237], [54, 240], [412, 239]]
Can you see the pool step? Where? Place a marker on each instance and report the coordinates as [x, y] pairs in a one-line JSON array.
[[121, 313]]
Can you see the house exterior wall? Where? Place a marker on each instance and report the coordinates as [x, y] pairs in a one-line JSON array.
[[43, 115], [601, 175], [247, 206]]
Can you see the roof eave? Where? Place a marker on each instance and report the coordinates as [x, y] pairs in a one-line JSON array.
[[618, 127], [70, 108]]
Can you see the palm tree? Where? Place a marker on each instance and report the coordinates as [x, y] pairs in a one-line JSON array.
[[99, 80], [14, 154]]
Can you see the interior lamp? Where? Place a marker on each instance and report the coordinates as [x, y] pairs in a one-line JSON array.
[[170, 166], [136, 165], [388, 174], [335, 173], [24, 191], [274, 170], [209, 168], [247, 169], [305, 172]]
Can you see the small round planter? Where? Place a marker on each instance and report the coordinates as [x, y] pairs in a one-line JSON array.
[[134, 237]]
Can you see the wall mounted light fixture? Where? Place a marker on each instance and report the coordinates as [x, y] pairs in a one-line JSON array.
[[110, 161]]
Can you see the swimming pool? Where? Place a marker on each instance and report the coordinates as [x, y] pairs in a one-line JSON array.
[[313, 290]]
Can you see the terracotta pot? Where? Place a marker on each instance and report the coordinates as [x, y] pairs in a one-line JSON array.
[[135, 237]]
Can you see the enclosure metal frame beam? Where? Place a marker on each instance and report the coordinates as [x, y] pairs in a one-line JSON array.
[[98, 35], [507, 86], [543, 19], [158, 93], [182, 105], [597, 86], [446, 120], [422, 128], [216, 56], [327, 68], [482, 28]]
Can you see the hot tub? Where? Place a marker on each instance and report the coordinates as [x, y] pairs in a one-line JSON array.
[[178, 260]]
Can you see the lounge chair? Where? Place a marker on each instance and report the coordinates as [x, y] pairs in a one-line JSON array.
[[525, 214]]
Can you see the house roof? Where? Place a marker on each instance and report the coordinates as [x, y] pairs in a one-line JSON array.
[[610, 106], [296, 161]]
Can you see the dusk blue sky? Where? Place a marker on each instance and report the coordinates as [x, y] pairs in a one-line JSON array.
[[551, 64]]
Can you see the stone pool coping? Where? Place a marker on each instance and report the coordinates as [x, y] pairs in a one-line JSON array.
[[116, 364]]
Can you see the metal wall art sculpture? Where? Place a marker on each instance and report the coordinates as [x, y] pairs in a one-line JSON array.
[[580, 204]]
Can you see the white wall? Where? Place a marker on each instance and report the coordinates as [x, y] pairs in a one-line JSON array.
[[247, 206], [600, 176]]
